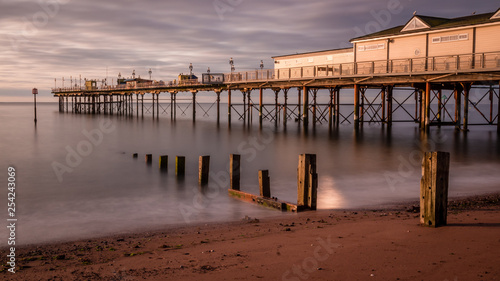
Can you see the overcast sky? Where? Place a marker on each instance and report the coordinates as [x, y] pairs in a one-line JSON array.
[[45, 39]]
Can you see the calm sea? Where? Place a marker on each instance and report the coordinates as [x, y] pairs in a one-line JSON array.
[[76, 176]]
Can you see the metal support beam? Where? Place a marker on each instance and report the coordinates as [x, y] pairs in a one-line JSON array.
[[305, 112]]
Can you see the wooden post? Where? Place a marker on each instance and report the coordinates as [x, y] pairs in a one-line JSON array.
[[153, 96], [315, 105], [218, 106], [389, 104], [204, 167], [307, 181], [180, 165], [229, 105], [234, 171], [194, 105], [276, 92], [135, 155], [305, 112], [149, 158], [434, 188], [337, 107], [264, 184], [298, 103], [157, 106], [466, 107], [427, 106], [356, 105], [260, 106], [383, 100], [163, 162], [498, 112], [458, 107], [285, 105], [171, 106]]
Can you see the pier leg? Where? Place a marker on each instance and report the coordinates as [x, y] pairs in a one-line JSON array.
[[305, 114], [180, 165], [260, 106], [362, 105], [175, 105], [299, 100], [315, 104], [142, 105], [389, 104], [330, 107], [264, 183], [285, 106], [93, 104], [250, 107], [383, 100], [466, 88], [163, 163], [111, 104], [137, 105], [234, 171], [498, 112], [434, 189], [276, 92], [153, 104], [457, 92], [157, 106], [427, 117], [337, 106], [229, 106], [356, 106], [218, 106], [204, 167], [440, 106], [244, 107], [416, 105]]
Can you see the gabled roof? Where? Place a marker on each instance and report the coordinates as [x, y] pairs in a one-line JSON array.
[[433, 23], [496, 15]]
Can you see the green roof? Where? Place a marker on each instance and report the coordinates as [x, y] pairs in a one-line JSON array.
[[435, 23]]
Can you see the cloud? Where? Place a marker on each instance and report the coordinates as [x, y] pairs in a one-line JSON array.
[[63, 38]]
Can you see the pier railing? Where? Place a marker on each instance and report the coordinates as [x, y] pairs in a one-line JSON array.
[[410, 66]]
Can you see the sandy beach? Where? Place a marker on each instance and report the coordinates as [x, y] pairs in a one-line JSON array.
[[369, 244]]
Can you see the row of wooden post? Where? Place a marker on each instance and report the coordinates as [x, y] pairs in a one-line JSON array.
[[180, 163]]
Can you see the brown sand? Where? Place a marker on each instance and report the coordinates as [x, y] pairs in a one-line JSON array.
[[324, 245]]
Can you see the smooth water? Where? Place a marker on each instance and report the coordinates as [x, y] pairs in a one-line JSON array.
[[76, 176]]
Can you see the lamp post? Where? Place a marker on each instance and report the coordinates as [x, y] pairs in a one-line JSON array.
[[35, 92], [231, 63]]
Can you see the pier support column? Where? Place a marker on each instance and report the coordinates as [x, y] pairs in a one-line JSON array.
[[229, 106], [383, 92], [153, 104], [111, 104], [260, 106], [305, 113], [466, 88], [315, 104], [250, 107], [330, 107], [498, 112], [276, 109], [285, 106], [194, 104], [389, 104], [218, 105], [137, 105], [243, 92], [142, 105], [93, 104], [299, 100], [157, 106], [356, 106], [440, 107], [457, 92], [337, 106]]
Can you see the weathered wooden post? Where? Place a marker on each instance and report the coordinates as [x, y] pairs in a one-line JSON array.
[[35, 92], [163, 162], [264, 183], [307, 181], [135, 155], [180, 165], [204, 167], [234, 171], [149, 158], [434, 188]]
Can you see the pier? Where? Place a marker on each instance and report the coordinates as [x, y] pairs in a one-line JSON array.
[[430, 71]]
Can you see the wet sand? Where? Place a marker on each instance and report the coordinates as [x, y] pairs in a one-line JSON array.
[[368, 244]]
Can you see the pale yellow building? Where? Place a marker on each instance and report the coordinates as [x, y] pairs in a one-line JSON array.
[[423, 44]]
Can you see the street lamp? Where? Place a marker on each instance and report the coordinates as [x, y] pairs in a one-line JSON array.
[[231, 63]]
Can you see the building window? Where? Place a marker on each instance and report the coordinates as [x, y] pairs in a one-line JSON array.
[[450, 38]]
